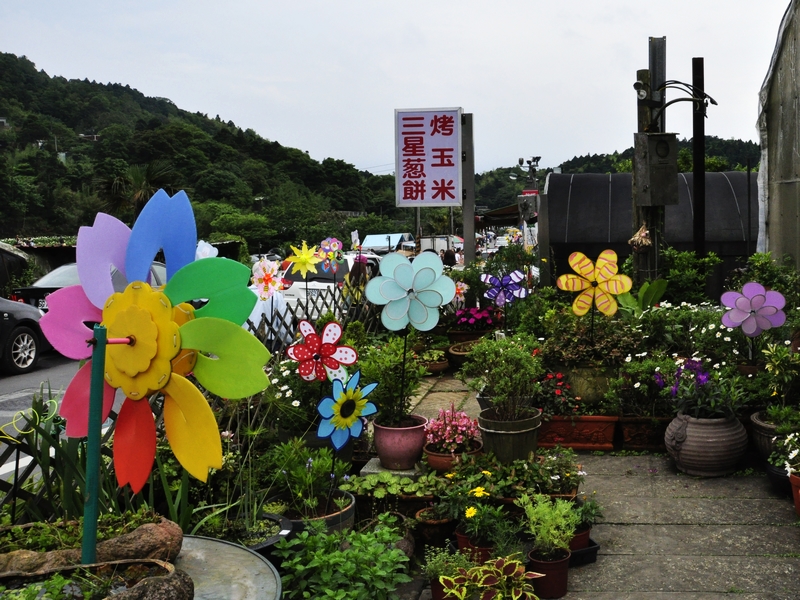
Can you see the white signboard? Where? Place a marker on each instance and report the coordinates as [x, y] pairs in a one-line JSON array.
[[428, 157]]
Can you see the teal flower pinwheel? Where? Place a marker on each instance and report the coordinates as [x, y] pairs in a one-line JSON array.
[[341, 413], [411, 292]]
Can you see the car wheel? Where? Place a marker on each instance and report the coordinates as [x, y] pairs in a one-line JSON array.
[[21, 352]]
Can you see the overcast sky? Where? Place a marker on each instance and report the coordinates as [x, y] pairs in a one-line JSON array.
[[540, 77]]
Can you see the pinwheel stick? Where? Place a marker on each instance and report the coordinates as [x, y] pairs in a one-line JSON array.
[[91, 491], [403, 371]]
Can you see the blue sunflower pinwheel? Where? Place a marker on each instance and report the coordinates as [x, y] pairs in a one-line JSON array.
[[506, 290], [411, 292], [341, 413]]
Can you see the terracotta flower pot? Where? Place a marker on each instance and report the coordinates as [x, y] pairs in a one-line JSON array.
[[580, 540], [442, 463], [399, 448], [478, 554], [433, 532], [588, 432]]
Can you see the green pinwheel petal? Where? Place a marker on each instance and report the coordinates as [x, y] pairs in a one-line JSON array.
[[238, 369], [220, 280]]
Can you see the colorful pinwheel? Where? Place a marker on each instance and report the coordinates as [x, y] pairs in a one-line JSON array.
[[304, 260], [411, 292], [330, 253], [461, 290], [754, 309], [169, 337], [506, 290], [341, 413], [265, 278], [319, 357], [205, 250], [598, 283]]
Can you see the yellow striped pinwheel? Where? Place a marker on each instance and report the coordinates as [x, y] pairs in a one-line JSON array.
[[599, 282]]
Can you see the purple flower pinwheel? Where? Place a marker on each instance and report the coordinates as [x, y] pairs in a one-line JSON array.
[[755, 309], [504, 291]]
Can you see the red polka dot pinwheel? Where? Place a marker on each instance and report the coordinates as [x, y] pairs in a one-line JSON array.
[[319, 357], [597, 283]]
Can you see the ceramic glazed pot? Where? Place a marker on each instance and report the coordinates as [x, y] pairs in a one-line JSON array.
[[554, 582], [399, 448], [762, 433], [509, 440], [442, 463], [706, 447]]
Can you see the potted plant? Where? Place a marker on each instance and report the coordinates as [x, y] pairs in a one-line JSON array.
[[399, 435], [789, 447], [440, 562], [479, 526], [448, 436], [505, 371], [705, 438], [783, 367], [504, 577], [434, 361], [472, 324], [551, 524], [589, 512]]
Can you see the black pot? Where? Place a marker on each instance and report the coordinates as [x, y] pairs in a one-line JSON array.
[[265, 548], [779, 479]]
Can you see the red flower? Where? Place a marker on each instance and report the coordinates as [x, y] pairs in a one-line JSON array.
[[558, 392], [319, 357], [549, 375], [560, 383], [559, 376]]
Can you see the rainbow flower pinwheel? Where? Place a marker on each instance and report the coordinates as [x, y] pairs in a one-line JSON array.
[[598, 283], [330, 252], [755, 309], [319, 357], [304, 260], [412, 292], [506, 289], [341, 413], [265, 278], [169, 337]]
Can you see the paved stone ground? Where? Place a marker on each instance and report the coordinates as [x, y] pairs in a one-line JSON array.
[[666, 535]]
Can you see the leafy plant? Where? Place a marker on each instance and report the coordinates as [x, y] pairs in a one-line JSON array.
[[647, 297], [703, 394], [687, 275], [504, 577], [783, 365], [452, 431], [551, 523], [354, 565], [635, 392], [440, 561], [589, 512]]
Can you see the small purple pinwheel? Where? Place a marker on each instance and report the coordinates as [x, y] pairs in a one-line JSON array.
[[755, 309], [506, 290]]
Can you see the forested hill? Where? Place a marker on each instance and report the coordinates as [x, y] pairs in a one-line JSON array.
[[70, 148]]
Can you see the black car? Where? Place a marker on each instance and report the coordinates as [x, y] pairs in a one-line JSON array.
[[21, 340], [66, 275]]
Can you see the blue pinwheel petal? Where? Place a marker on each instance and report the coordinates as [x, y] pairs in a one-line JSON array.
[[423, 278], [421, 317], [391, 290], [339, 438], [391, 261], [373, 290], [397, 309], [506, 281], [352, 383], [444, 285], [430, 298], [430, 260], [404, 276], [325, 407], [338, 388], [325, 428], [393, 324], [356, 428], [490, 279], [491, 293], [367, 390], [369, 409]]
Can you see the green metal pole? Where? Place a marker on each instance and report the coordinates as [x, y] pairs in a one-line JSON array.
[[90, 507]]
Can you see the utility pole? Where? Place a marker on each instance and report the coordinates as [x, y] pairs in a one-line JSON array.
[[699, 159], [468, 197]]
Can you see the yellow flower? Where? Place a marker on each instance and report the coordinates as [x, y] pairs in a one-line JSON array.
[[450, 475], [470, 512], [596, 283], [304, 260], [479, 492], [487, 473]]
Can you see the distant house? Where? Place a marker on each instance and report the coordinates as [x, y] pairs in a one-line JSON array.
[[778, 126]]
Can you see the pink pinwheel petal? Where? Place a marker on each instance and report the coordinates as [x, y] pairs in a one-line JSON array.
[[757, 301], [752, 288], [766, 311], [728, 322], [63, 325], [729, 299], [743, 304], [75, 405], [737, 316], [750, 326], [775, 299], [100, 247], [762, 322]]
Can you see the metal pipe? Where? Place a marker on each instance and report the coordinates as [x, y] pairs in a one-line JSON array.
[[699, 161]]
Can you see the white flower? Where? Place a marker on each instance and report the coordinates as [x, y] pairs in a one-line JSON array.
[[726, 338], [658, 369], [628, 358], [637, 385], [295, 403], [788, 342], [275, 381], [718, 334], [284, 388], [735, 351], [289, 394], [716, 365], [554, 477], [723, 363], [712, 326], [540, 339], [278, 395]]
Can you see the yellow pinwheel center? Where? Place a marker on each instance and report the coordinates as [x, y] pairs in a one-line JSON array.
[[146, 317], [349, 405]]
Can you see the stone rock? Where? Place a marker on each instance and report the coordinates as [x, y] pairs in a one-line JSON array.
[[175, 586], [152, 540]]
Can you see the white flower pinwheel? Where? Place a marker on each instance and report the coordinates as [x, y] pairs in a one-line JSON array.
[[411, 292]]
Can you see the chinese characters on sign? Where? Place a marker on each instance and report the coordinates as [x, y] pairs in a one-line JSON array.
[[428, 157]]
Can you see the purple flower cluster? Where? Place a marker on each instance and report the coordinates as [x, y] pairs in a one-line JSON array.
[[474, 318], [695, 367]]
